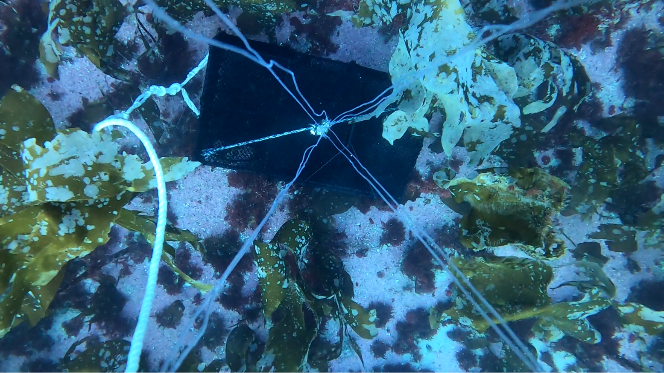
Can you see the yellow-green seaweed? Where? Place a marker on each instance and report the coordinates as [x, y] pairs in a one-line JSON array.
[[295, 308], [501, 211], [517, 289], [59, 198]]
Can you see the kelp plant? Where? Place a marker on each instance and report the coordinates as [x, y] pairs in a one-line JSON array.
[[304, 288], [61, 191], [517, 209], [508, 209], [517, 288]]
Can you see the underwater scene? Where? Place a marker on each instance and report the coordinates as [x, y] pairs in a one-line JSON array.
[[331, 185]]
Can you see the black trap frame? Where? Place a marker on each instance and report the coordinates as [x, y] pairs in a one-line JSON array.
[[242, 101]]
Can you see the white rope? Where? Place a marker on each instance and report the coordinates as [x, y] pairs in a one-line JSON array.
[[144, 315], [172, 90], [458, 277]]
